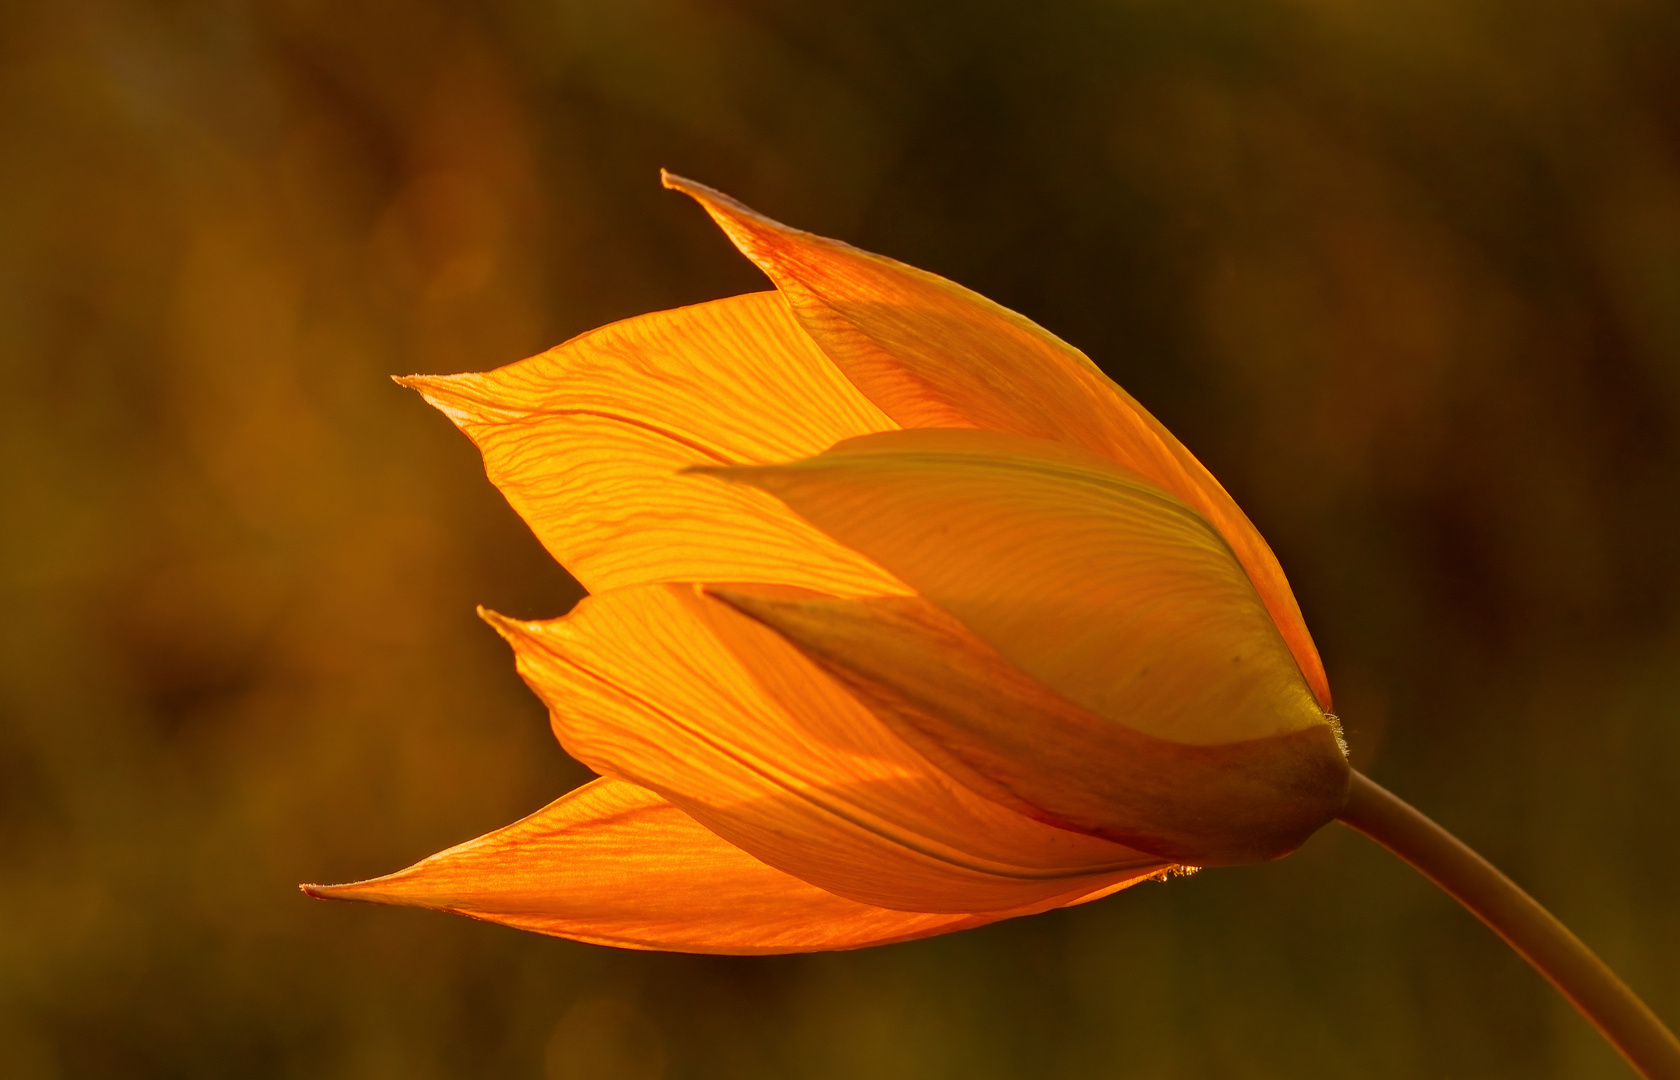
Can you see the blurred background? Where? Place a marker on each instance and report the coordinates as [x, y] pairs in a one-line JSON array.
[[1404, 273]]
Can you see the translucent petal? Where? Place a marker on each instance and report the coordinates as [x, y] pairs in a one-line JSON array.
[[1015, 740], [1084, 575], [685, 696], [615, 864], [586, 441], [931, 353]]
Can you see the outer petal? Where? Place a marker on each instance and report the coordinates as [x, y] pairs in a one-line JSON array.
[[931, 353], [614, 864], [586, 440], [1015, 740], [759, 745], [1084, 575]]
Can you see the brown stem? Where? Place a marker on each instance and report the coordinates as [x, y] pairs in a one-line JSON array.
[[1526, 926]]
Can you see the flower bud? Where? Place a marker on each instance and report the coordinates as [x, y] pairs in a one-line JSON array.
[[904, 618]]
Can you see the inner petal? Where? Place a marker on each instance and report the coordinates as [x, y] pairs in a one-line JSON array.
[[685, 696], [1083, 574]]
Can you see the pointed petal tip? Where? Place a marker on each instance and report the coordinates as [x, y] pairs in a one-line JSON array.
[[456, 396], [510, 629], [694, 189], [721, 207], [388, 889], [425, 384], [747, 229], [326, 892]]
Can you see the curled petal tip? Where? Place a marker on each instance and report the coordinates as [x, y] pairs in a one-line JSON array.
[[748, 229], [703, 194], [322, 892], [672, 182]]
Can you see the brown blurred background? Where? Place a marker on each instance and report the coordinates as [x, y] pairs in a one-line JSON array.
[[1405, 273]]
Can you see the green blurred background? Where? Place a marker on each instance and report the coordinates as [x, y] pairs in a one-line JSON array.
[[1404, 273]]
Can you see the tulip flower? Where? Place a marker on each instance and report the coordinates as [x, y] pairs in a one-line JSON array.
[[903, 619]]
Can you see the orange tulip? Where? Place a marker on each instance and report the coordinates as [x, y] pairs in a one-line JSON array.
[[904, 618]]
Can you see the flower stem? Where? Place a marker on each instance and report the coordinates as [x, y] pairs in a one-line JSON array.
[[1527, 927]]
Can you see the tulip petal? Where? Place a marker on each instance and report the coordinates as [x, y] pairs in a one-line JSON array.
[[1084, 575], [931, 353], [585, 440], [1015, 740], [687, 697], [615, 864]]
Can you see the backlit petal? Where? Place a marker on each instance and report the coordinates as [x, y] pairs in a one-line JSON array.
[[686, 696], [1012, 738], [615, 864], [1084, 575], [931, 353], [585, 440]]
